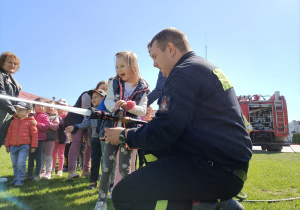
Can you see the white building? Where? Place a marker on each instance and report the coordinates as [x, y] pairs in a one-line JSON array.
[[294, 127]]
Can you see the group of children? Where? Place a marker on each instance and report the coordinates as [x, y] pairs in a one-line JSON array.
[[38, 134], [35, 136]]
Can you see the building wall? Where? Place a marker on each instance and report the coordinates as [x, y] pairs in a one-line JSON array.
[[294, 127]]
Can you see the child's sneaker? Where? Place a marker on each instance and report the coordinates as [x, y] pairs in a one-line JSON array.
[[85, 173], [36, 178], [28, 178], [100, 205], [72, 175], [3, 179], [65, 169], [48, 175], [53, 171], [13, 181], [93, 185], [42, 174], [18, 184], [59, 173]]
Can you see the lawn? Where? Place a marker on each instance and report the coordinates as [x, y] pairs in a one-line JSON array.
[[271, 176]]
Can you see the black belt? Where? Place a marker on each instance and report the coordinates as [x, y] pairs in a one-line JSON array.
[[240, 173]]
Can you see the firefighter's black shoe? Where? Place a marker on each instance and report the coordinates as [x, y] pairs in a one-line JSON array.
[[229, 204], [205, 205]]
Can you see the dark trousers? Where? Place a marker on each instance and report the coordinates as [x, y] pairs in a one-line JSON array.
[[5, 120], [37, 156], [179, 180], [66, 154], [96, 158]]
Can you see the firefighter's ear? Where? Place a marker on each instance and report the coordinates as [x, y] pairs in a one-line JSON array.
[[171, 48]]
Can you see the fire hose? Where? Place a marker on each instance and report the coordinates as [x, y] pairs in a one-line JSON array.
[[87, 112]]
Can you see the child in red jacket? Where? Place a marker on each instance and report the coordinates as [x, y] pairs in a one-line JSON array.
[[21, 135]]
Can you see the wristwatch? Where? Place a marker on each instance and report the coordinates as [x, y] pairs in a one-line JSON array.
[[122, 137]]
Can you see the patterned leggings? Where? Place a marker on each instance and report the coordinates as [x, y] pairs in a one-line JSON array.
[[109, 161], [47, 156]]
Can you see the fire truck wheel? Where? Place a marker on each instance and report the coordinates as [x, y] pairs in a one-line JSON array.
[[274, 148]]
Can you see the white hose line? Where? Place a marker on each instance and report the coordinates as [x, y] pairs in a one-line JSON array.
[[65, 108]]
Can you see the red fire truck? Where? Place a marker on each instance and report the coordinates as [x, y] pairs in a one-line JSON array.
[[268, 118]]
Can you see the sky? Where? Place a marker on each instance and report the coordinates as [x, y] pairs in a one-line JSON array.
[[68, 46]]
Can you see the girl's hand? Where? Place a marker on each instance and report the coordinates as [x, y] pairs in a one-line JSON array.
[[69, 129], [7, 149], [32, 150], [118, 104], [33, 122]]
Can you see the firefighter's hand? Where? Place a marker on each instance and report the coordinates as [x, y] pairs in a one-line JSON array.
[[112, 135], [7, 149], [69, 129], [32, 150], [94, 113]]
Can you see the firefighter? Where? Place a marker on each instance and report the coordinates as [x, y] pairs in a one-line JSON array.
[[199, 133]]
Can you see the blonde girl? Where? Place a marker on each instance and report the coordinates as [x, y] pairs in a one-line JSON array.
[[129, 92]]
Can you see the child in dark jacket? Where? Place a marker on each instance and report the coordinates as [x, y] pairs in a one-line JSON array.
[[21, 135], [42, 123]]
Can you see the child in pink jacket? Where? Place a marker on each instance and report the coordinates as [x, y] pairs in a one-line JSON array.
[[49, 142], [42, 123]]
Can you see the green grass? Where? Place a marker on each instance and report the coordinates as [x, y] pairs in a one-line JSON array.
[[55, 194], [271, 176]]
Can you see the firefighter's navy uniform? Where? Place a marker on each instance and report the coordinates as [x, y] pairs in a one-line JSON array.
[[200, 140]]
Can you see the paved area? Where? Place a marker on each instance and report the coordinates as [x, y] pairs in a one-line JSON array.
[[292, 148]]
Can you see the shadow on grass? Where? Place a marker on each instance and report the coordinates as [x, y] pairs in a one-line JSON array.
[[53, 194]]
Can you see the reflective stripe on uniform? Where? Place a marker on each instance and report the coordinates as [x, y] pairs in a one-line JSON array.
[[223, 79], [150, 158], [161, 205]]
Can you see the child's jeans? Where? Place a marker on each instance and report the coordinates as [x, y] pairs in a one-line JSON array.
[[37, 156], [47, 156], [59, 150], [96, 157], [18, 155]]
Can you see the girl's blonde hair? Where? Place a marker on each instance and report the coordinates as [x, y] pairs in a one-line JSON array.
[[131, 59]]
